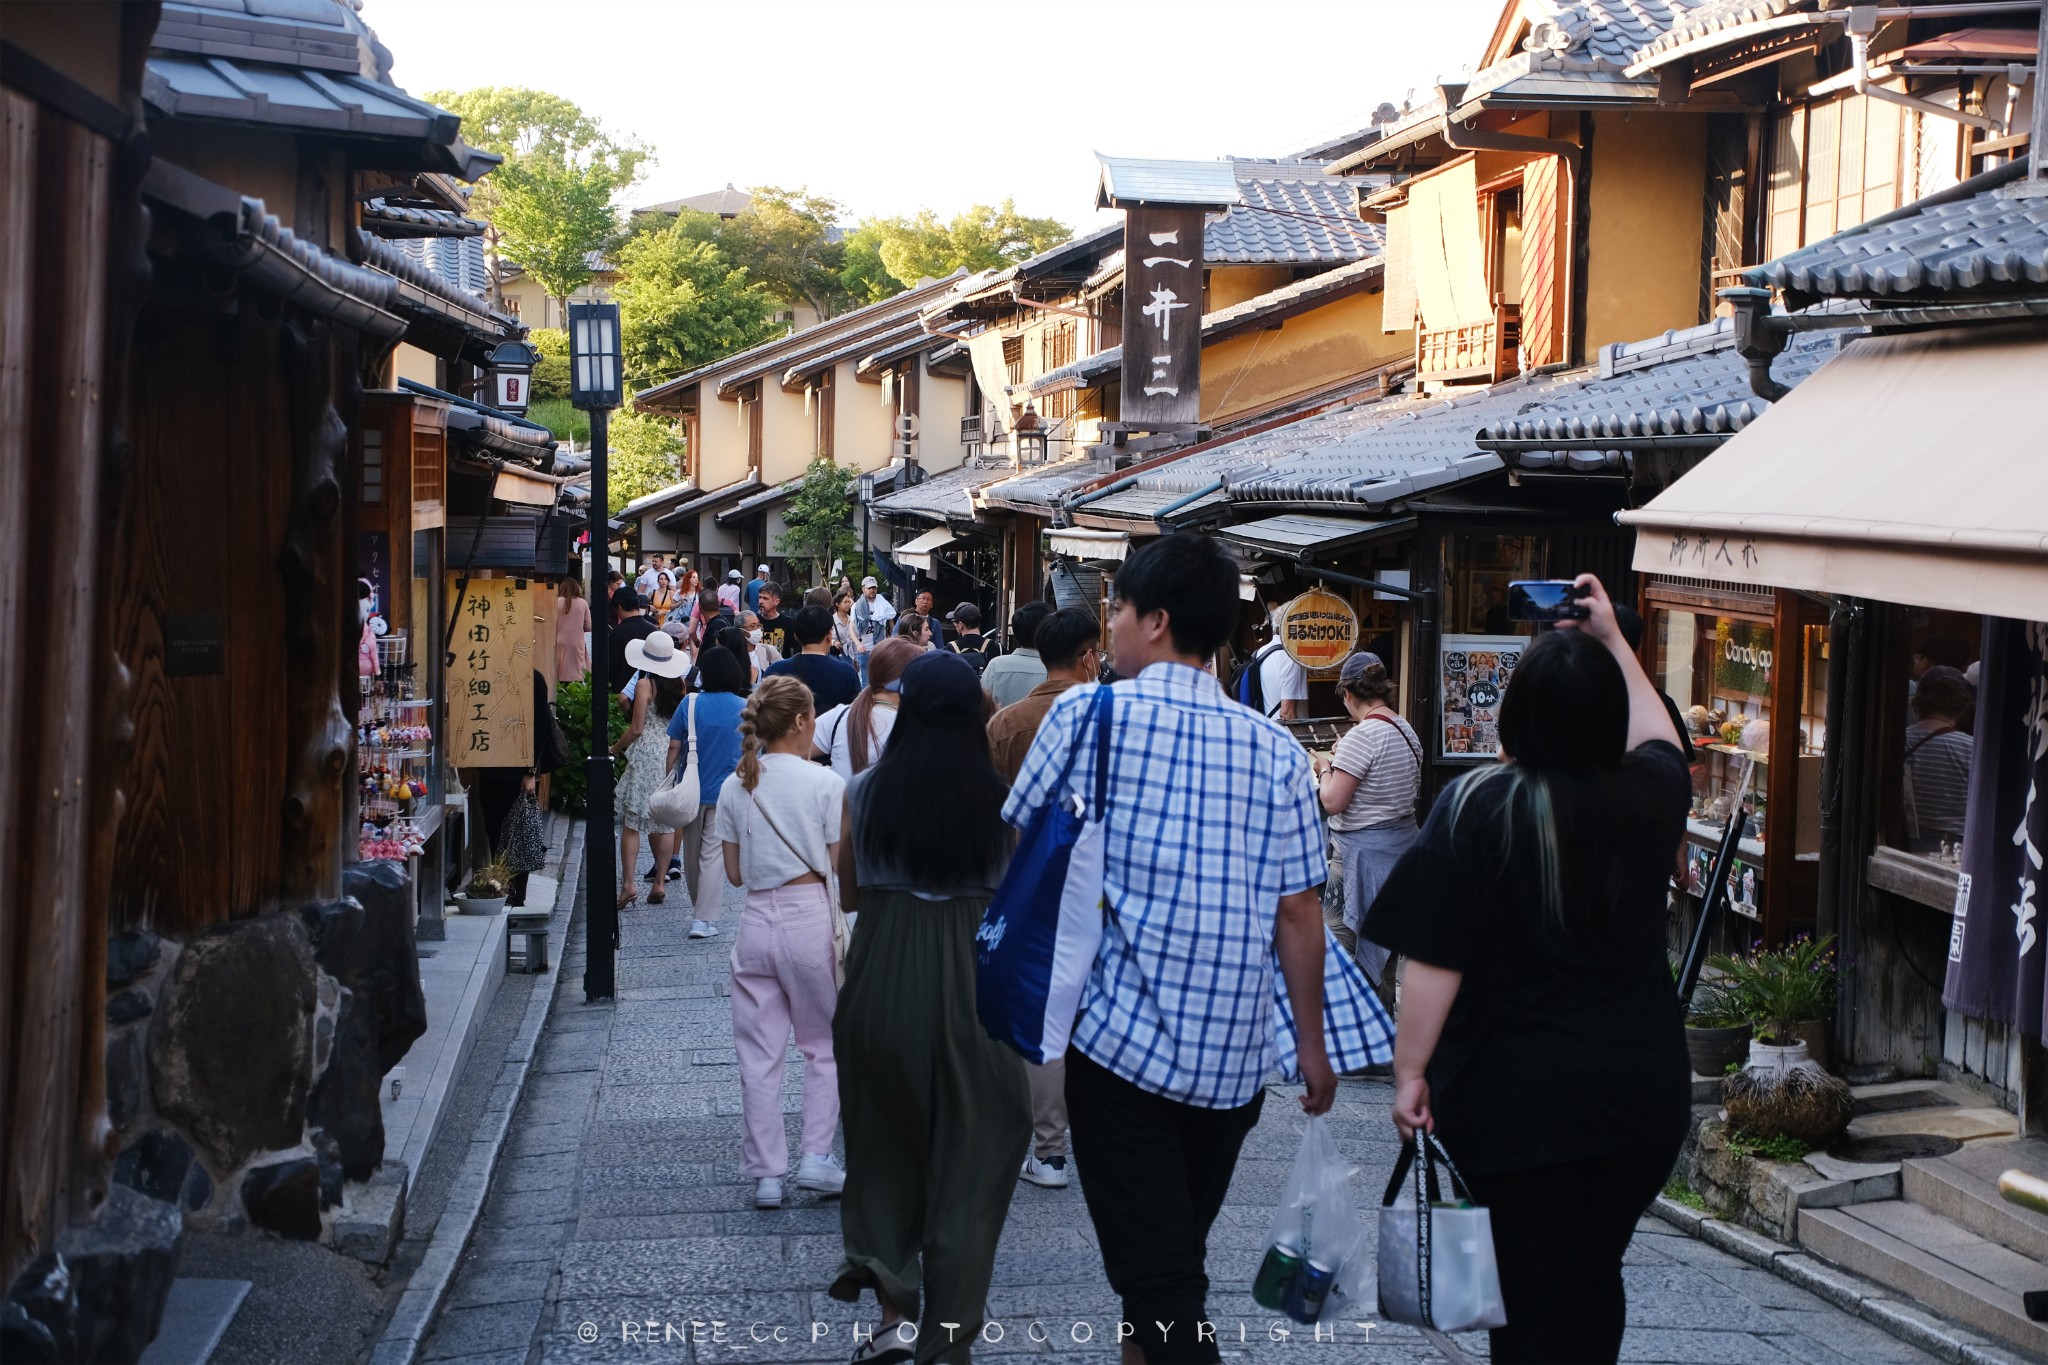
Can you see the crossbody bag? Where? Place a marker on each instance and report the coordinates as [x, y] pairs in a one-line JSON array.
[[840, 934]]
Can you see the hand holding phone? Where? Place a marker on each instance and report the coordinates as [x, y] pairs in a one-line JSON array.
[[1547, 599]]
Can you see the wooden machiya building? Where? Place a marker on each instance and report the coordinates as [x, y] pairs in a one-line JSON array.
[[204, 208]]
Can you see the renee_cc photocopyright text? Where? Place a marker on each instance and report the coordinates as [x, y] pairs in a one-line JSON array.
[[657, 1333]]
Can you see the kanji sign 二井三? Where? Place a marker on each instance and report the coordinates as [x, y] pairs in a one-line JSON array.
[[490, 683], [1317, 629], [1162, 338]]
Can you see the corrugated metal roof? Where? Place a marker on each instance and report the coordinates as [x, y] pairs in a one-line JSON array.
[[1140, 180], [1972, 239], [1089, 369]]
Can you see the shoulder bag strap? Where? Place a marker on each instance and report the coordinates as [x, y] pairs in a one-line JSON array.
[[1399, 731], [1104, 708], [776, 829]]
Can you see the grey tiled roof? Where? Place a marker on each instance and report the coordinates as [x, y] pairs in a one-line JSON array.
[[1972, 239], [947, 496], [389, 219], [1718, 16], [458, 260], [433, 291], [1089, 369], [1290, 219], [1582, 47]]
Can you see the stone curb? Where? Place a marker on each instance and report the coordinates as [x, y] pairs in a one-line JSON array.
[[1907, 1321], [413, 1319]]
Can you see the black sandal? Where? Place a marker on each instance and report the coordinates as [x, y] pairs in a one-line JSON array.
[[899, 1354]]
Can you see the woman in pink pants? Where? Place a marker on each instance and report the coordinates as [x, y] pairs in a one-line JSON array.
[[779, 818]]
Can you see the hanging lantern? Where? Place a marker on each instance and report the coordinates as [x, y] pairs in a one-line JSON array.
[[511, 370]]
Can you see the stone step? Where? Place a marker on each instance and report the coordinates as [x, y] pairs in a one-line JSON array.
[[1963, 1188], [1934, 1262]]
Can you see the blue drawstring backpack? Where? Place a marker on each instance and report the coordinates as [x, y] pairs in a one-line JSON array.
[[1038, 938]]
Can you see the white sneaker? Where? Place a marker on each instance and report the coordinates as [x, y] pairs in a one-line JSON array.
[[1051, 1172], [768, 1192], [821, 1172], [703, 928]]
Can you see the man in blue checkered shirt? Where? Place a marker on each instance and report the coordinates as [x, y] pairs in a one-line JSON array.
[[1213, 861]]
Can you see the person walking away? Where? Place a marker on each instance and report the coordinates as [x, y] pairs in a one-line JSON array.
[[734, 641], [712, 617], [1010, 676], [844, 637], [729, 594], [780, 818], [774, 624], [1540, 1037], [967, 639], [645, 744], [935, 1109], [1212, 860], [1070, 642], [833, 682], [872, 614], [1938, 757], [572, 633], [852, 737], [713, 711], [629, 624], [1369, 785], [1283, 683], [754, 587]]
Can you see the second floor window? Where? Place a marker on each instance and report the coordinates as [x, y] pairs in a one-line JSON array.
[[1834, 164]]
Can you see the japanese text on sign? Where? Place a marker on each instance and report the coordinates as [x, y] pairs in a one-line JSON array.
[[1317, 629], [490, 702], [1162, 316]]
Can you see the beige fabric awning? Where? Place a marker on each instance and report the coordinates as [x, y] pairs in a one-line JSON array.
[[1441, 228], [918, 553], [1082, 544], [1912, 469]]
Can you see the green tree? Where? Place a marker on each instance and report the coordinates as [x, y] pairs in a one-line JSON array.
[[645, 456], [551, 374], [787, 240], [862, 276], [683, 303], [819, 515], [982, 238], [550, 204]]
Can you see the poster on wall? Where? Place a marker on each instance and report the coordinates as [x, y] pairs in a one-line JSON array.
[[1472, 679], [490, 697]]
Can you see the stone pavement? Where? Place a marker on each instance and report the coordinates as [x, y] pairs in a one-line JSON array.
[[619, 1226]]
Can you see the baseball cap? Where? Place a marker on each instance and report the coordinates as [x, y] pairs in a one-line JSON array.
[[760, 568], [966, 614], [1355, 666], [869, 582], [942, 688], [732, 575]]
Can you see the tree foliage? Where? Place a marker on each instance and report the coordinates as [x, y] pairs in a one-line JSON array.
[[551, 203], [645, 456], [982, 238], [551, 373], [683, 303], [819, 515], [788, 240]]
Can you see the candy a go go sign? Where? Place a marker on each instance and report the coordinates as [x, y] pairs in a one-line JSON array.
[[1318, 629]]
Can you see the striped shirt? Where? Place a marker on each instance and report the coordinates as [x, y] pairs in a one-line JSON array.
[[1386, 758], [1212, 819]]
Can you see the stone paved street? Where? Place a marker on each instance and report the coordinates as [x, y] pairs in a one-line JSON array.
[[619, 1212]]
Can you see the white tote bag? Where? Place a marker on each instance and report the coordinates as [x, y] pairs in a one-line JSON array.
[[1436, 1263], [676, 804]]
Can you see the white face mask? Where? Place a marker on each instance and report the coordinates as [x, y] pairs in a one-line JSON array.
[[754, 636]]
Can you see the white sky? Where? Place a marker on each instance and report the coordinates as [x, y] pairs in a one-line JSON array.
[[894, 105]]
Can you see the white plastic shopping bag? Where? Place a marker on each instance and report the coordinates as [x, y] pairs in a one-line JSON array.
[[1317, 1232], [1436, 1261]]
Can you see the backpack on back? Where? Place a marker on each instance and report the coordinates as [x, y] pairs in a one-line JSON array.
[[1248, 686]]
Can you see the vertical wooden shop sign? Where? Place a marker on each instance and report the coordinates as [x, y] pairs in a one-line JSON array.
[[1162, 337], [490, 684]]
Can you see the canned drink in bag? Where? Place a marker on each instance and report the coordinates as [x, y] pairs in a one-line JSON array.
[[1275, 1286], [1311, 1290]]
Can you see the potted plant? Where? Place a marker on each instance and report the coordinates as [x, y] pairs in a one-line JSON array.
[[490, 886], [1783, 1091], [1717, 1028]]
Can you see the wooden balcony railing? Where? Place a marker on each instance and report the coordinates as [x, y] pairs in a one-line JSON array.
[[1486, 350]]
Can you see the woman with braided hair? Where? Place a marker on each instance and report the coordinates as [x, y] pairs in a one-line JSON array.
[[780, 819]]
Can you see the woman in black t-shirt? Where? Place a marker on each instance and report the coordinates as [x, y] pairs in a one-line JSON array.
[[1540, 1034]]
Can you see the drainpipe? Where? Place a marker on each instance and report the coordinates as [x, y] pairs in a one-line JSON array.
[[1758, 338], [1196, 496], [1862, 25]]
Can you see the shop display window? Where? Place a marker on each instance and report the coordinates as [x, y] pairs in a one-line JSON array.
[[1719, 669], [1931, 744], [1477, 570]]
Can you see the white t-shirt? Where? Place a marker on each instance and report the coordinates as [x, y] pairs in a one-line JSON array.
[[646, 583], [805, 802], [729, 594], [1281, 679], [835, 737]]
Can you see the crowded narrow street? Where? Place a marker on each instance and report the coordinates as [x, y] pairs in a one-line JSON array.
[[619, 1227]]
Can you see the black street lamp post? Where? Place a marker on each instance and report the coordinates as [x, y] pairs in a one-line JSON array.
[[596, 386], [865, 491]]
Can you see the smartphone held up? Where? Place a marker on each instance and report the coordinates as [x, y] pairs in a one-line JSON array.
[[1546, 599]]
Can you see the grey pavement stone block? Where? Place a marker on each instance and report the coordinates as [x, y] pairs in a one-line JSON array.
[[659, 1102], [1048, 1267], [1737, 1240], [1827, 1335], [553, 1171], [1985, 1353], [1677, 1214], [566, 1052], [1699, 1348], [653, 1268], [641, 1203], [522, 1208], [511, 1283], [542, 1139], [500, 1328], [1911, 1323], [658, 1226], [648, 1177]]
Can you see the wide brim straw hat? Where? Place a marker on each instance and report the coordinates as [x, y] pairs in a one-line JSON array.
[[657, 655]]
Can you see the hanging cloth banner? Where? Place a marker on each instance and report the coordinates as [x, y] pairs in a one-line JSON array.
[[1997, 956]]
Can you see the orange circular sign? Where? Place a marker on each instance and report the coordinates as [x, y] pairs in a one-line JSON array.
[[1317, 629]]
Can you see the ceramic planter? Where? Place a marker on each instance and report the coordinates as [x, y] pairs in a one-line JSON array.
[[1782, 1092], [481, 905], [1714, 1050], [1814, 1033]]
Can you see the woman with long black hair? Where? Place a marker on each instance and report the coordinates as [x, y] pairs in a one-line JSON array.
[[937, 1115], [1540, 1036]]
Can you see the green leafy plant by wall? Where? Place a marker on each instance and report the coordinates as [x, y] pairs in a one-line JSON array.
[[1777, 988], [570, 790]]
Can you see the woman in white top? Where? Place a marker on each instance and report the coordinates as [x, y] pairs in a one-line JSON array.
[[844, 638], [854, 735], [780, 817], [1368, 787]]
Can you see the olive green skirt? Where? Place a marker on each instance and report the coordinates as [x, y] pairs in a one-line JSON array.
[[937, 1118]]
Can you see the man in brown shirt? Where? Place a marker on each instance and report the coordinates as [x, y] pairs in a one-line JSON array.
[[1069, 643], [1075, 638]]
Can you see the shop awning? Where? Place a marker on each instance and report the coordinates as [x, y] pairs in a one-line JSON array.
[[918, 553], [1089, 545], [1300, 536], [1908, 470], [524, 486]]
